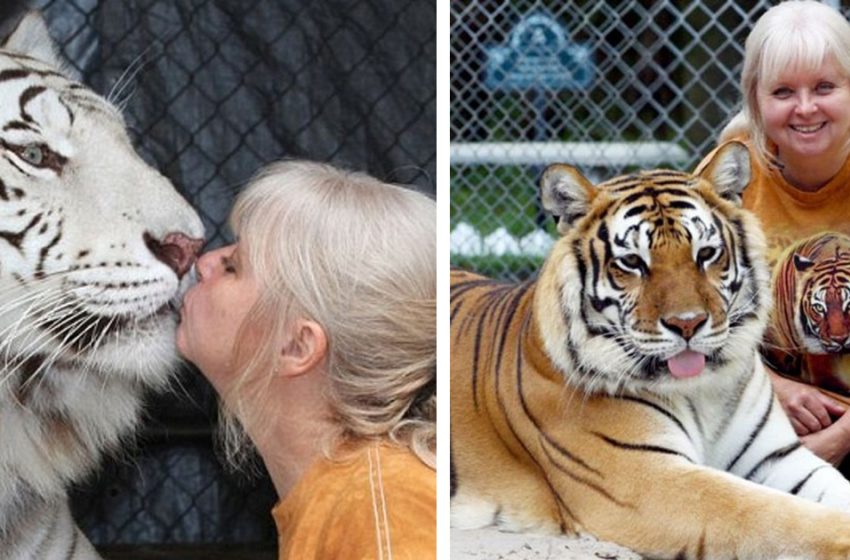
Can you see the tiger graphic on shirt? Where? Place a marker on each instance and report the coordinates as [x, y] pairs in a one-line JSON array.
[[809, 331], [93, 246], [621, 394]]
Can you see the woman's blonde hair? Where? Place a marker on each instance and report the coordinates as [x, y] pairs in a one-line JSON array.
[[796, 34], [357, 256]]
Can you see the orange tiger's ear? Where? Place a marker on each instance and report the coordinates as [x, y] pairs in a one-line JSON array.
[[801, 263], [728, 171], [566, 194]]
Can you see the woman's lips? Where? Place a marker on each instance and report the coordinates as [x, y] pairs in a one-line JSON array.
[[807, 128]]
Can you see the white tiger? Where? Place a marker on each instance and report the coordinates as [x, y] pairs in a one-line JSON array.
[[93, 246]]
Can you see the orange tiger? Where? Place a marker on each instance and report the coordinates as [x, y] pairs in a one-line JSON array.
[[621, 393]]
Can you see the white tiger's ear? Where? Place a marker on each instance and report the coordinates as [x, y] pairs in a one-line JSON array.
[[566, 194], [32, 38], [729, 171]]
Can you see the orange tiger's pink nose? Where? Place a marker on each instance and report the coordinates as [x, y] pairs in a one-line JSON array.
[[686, 328], [177, 250]]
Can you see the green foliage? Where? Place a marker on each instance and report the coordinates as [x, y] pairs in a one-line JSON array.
[[513, 267], [488, 198]]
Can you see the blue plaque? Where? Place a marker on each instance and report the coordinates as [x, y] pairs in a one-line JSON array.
[[538, 55]]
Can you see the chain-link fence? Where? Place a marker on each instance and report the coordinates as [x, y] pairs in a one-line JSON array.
[[605, 86], [212, 90]]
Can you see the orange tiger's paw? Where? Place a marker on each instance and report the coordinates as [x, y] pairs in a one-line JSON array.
[[473, 512]]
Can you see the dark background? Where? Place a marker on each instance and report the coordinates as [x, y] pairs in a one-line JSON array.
[[213, 90]]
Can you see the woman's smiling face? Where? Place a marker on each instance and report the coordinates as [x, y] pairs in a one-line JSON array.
[[806, 112]]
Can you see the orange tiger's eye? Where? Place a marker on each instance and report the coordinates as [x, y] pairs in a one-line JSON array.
[[632, 261], [706, 254]]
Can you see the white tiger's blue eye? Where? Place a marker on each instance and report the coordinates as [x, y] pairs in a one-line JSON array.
[[32, 153]]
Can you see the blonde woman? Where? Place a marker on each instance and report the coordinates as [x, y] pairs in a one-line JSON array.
[[317, 328], [796, 121]]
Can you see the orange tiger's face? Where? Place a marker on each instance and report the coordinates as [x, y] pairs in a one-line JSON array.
[[824, 304], [667, 266], [659, 278]]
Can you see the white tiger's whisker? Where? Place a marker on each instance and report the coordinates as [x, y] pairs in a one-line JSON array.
[[49, 315], [25, 300], [44, 303], [10, 333], [35, 345], [63, 345], [66, 344], [127, 76], [103, 335]]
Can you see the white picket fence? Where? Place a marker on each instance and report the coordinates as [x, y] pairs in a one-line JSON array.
[[466, 241]]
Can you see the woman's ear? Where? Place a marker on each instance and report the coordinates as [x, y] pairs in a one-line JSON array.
[[304, 350]]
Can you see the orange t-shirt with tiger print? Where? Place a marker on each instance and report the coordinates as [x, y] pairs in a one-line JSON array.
[[378, 502], [788, 215]]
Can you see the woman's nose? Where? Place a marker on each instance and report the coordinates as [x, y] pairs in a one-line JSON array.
[[806, 104], [202, 266], [206, 264]]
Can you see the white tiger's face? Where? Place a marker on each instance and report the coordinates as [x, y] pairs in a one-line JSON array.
[[93, 241]]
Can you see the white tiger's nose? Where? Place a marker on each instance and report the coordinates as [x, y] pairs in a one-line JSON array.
[[176, 249]]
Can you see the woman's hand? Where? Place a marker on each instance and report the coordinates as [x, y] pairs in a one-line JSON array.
[[831, 444], [808, 409]]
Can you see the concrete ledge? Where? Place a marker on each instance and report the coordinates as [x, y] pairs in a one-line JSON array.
[[491, 544]]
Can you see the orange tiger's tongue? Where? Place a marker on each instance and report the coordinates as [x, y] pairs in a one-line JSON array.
[[686, 364]]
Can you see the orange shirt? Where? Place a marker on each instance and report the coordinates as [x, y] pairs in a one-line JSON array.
[[376, 503], [788, 214]]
